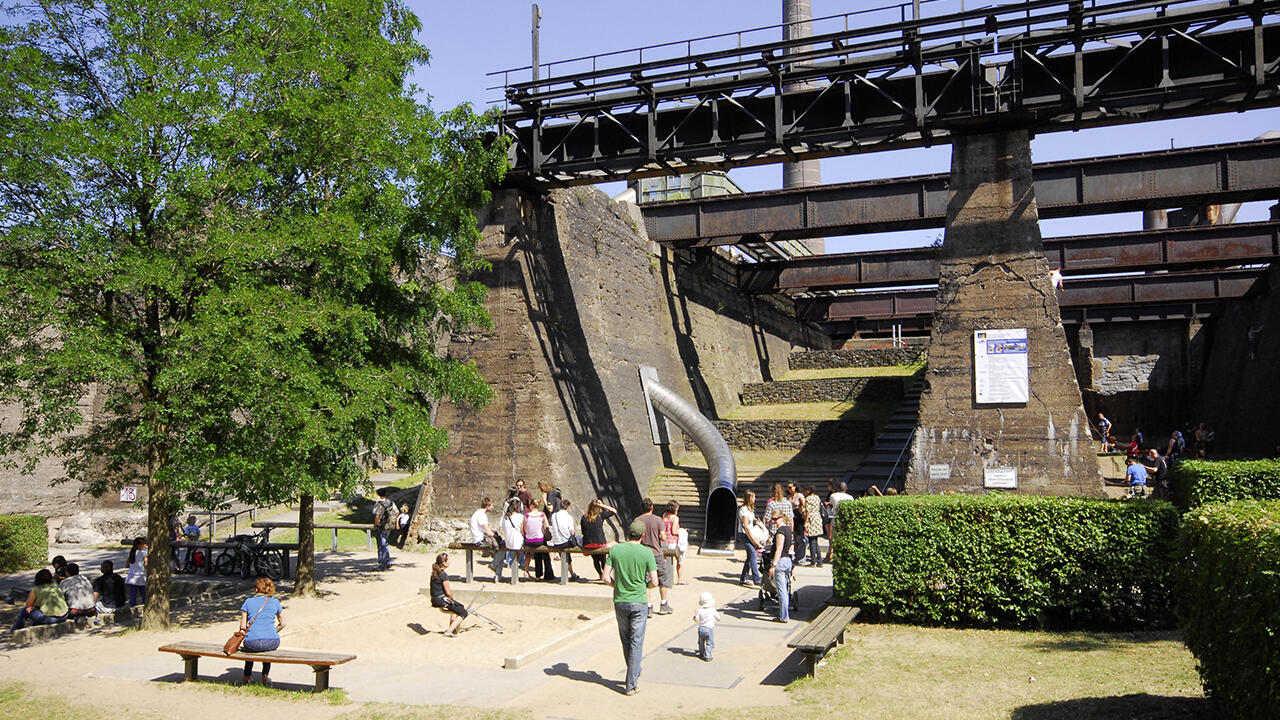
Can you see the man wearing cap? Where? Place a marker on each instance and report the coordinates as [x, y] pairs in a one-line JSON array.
[[630, 569]]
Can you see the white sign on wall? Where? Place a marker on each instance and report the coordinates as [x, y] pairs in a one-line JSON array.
[[1000, 366], [128, 494], [940, 471], [1002, 478]]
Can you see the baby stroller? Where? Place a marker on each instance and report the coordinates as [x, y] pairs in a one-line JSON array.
[[768, 591]]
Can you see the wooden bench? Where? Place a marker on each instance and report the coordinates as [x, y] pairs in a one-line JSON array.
[[484, 551], [823, 633], [320, 662]]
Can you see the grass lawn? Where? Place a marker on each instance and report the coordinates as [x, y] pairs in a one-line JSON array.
[[358, 510], [876, 411], [912, 673], [826, 373]]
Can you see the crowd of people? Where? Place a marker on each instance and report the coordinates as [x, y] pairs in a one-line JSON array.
[[60, 593], [1147, 464]]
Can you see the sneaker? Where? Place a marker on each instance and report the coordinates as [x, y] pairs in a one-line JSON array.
[[665, 609], [650, 613], [633, 691]]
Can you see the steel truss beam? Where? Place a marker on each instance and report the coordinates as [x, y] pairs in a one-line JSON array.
[[1044, 64], [1131, 294], [1236, 172], [1179, 248]]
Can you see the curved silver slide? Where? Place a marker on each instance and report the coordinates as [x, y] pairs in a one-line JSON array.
[[722, 500]]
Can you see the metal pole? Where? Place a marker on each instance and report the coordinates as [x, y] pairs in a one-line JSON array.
[[537, 22]]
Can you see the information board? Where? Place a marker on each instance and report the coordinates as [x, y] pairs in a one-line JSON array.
[[1004, 478], [1000, 366]]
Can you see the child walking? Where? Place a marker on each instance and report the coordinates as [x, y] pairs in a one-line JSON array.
[[706, 616]]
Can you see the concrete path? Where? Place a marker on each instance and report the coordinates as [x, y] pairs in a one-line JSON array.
[[415, 664]]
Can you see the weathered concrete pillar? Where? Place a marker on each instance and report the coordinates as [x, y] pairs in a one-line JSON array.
[[993, 276]]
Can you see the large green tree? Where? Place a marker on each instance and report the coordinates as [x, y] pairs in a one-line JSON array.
[[231, 228]]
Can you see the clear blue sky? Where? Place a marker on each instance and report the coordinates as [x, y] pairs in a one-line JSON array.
[[469, 38]]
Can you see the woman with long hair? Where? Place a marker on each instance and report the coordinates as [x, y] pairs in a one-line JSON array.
[[511, 528], [261, 620], [671, 524], [135, 580], [442, 595], [593, 538], [535, 536], [746, 523], [46, 604]]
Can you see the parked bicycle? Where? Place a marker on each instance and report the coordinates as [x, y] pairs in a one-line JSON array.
[[249, 549]]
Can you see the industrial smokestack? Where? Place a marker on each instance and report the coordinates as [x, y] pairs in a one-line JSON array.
[[796, 14]]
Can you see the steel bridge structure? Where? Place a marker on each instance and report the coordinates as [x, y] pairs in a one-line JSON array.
[[886, 78], [892, 78]]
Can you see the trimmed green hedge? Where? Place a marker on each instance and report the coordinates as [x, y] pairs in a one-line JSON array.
[[1003, 560], [1196, 482], [24, 543], [1229, 603]]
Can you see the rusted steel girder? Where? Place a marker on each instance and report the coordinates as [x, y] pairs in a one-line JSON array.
[[1130, 291], [1235, 172], [883, 83], [1177, 248]]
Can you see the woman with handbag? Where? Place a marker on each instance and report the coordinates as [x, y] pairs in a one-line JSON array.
[[261, 620], [750, 537]]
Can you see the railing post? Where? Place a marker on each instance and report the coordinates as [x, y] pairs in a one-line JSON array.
[[333, 544]]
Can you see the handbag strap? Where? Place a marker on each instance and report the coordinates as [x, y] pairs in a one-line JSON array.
[[261, 607]]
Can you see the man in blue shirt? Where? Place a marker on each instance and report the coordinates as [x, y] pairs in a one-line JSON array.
[[1137, 476]]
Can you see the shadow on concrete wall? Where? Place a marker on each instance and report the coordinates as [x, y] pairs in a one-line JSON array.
[[551, 306], [682, 326]]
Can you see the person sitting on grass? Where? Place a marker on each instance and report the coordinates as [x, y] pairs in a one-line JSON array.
[[46, 604], [442, 595]]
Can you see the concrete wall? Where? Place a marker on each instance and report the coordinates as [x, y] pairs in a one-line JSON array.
[[1141, 374], [579, 299], [1241, 385]]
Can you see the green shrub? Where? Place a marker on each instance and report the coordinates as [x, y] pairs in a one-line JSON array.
[[24, 543], [1196, 482], [1008, 560], [1229, 603]]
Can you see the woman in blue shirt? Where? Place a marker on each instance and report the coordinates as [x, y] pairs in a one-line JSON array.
[[262, 619]]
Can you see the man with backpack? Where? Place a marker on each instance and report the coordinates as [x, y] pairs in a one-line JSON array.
[[386, 517]]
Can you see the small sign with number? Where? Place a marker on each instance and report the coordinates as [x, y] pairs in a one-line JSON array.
[[128, 494]]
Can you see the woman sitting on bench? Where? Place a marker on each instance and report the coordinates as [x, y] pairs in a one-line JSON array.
[[442, 595], [262, 619]]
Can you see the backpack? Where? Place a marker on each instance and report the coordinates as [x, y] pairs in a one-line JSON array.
[[390, 517]]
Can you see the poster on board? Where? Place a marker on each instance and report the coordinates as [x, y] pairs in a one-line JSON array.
[[1000, 367]]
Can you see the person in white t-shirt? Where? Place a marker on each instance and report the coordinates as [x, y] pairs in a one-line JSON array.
[[562, 536], [706, 616], [480, 532], [840, 494]]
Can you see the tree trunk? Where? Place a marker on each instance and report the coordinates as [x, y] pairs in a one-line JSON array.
[[155, 614], [421, 510], [305, 583]]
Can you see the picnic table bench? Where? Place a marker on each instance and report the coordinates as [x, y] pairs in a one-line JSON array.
[[823, 633], [320, 662], [485, 550]]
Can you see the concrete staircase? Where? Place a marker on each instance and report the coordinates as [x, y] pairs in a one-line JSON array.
[[778, 447], [886, 464], [690, 487]]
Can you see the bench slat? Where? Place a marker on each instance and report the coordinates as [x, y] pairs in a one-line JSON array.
[[297, 657], [823, 630]]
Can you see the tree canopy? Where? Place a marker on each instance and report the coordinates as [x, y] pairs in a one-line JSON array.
[[231, 240]]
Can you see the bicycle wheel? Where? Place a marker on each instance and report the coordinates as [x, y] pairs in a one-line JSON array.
[[267, 562], [227, 563]]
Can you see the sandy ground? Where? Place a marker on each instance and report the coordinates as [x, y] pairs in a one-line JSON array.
[[403, 657]]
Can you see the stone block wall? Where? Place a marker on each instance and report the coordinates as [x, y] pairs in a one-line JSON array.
[[579, 299], [812, 435], [828, 390], [856, 357]]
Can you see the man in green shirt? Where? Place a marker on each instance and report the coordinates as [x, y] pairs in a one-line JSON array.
[[630, 569]]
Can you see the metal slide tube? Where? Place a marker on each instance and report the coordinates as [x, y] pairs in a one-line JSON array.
[[722, 500]]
